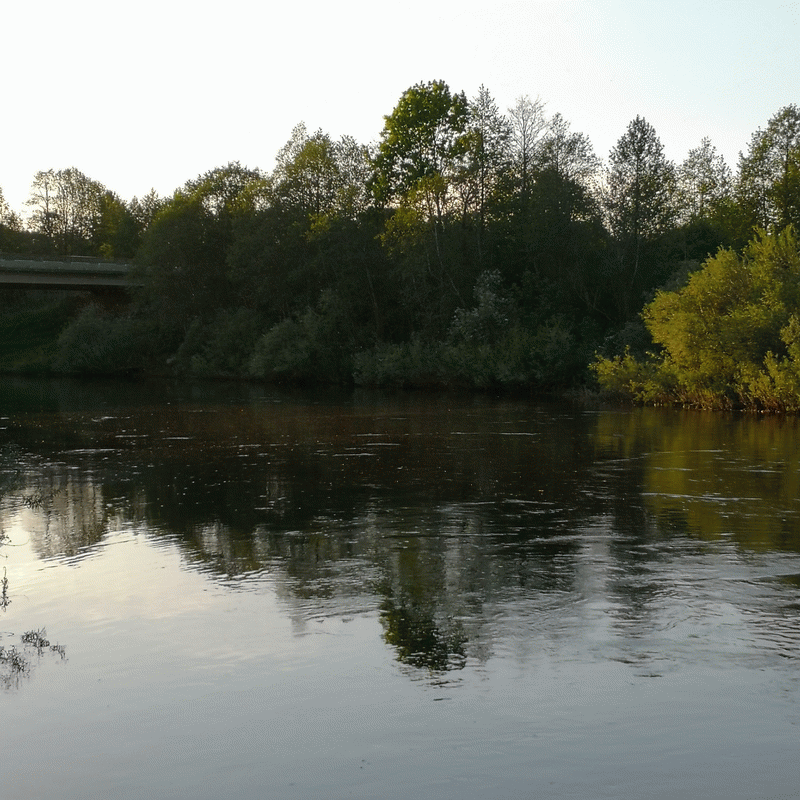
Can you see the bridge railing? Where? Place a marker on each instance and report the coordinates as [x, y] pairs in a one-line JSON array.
[[19, 262]]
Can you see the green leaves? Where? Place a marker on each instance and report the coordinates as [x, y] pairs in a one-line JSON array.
[[424, 137], [320, 176], [768, 188], [704, 182], [730, 337], [66, 207], [640, 184], [639, 211]]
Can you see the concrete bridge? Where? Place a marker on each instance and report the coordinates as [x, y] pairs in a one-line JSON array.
[[70, 272]]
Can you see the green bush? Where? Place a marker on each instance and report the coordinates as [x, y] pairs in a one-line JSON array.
[[314, 348], [94, 343], [413, 363], [547, 356], [488, 345], [29, 332], [220, 348], [729, 338]]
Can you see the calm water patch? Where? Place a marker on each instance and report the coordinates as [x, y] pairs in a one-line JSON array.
[[244, 593]]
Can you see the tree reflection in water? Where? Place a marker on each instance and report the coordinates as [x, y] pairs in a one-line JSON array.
[[16, 662], [418, 640], [5, 600], [429, 515]]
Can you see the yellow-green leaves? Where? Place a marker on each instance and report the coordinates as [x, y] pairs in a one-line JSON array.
[[729, 337]]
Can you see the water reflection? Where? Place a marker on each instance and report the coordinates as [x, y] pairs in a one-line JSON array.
[[17, 661], [263, 594], [455, 518], [714, 475], [5, 599]]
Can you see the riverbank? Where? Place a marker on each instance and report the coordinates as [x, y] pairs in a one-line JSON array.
[[75, 334], [29, 330]]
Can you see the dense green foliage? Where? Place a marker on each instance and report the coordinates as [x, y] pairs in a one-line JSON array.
[[29, 331], [465, 247], [729, 338]]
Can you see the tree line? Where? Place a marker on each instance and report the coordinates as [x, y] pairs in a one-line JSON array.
[[465, 247]]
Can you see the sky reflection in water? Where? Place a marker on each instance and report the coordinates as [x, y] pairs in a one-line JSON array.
[[288, 595]]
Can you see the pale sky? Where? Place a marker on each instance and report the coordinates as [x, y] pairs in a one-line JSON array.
[[151, 94]]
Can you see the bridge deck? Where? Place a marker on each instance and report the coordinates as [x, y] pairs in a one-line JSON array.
[[73, 272]]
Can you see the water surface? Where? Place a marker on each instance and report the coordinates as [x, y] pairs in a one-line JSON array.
[[257, 594]]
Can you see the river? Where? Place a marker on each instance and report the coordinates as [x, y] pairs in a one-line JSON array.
[[227, 591]]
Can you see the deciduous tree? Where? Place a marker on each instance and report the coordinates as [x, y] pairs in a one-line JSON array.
[[10, 226], [729, 337], [639, 209], [8, 218], [768, 181], [528, 124], [116, 232], [145, 208], [704, 182], [420, 159], [318, 175], [568, 154], [488, 156], [66, 207], [183, 259], [421, 148]]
